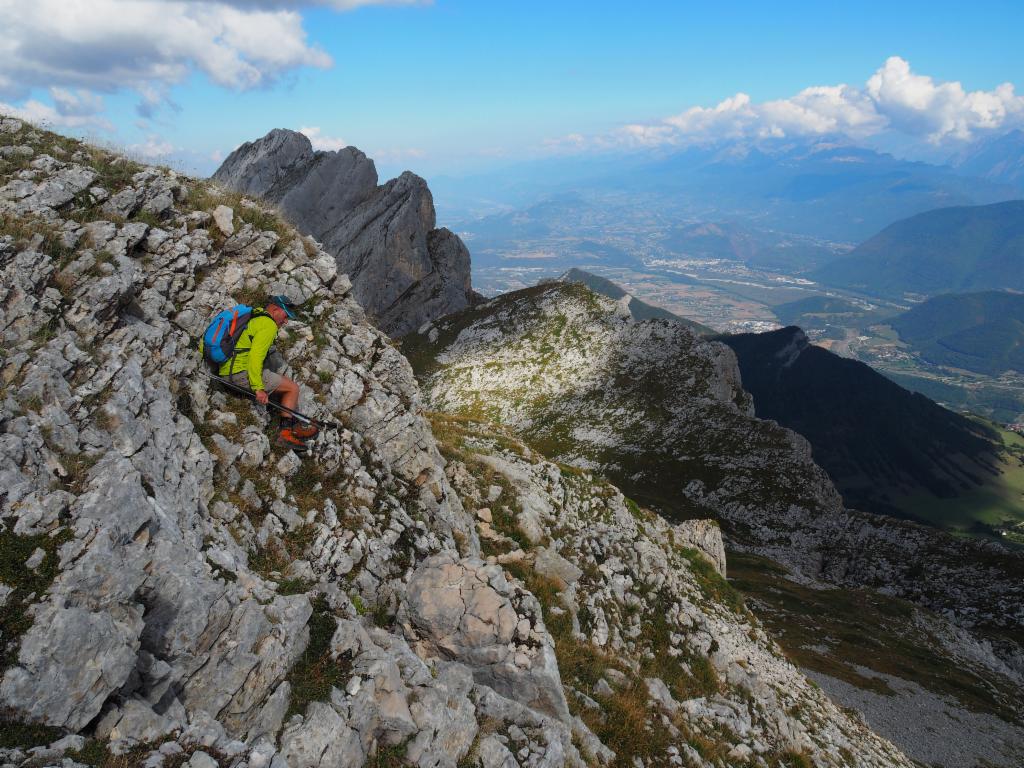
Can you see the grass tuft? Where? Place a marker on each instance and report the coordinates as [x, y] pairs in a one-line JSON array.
[[15, 619], [316, 672]]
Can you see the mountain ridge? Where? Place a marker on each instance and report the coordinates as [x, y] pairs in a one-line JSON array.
[[945, 250]]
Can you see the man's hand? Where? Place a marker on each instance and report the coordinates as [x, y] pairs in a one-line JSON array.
[[261, 396]]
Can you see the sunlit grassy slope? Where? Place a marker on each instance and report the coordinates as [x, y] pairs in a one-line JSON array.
[[999, 501]]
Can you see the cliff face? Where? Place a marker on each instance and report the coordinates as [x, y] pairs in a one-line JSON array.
[[167, 578], [404, 272]]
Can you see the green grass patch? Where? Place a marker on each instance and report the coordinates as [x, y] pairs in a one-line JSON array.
[[23, 228], [15, 734], [316, 672], [27, 583], [279, 553], [997, 502], [712, 584], [389, 756]]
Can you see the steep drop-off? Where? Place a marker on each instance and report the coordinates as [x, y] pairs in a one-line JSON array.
[[663, 414]]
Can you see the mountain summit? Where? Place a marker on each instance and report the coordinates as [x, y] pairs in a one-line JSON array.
[[404, 270]]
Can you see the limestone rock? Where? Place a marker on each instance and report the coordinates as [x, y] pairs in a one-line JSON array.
[[465, 610], [224, 218]]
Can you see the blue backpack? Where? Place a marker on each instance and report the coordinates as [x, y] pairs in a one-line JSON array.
[[224, 331]]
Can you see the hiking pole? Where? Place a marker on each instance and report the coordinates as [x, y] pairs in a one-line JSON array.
[[300, 416]]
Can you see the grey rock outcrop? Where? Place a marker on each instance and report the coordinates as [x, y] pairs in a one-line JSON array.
[[404, 272]]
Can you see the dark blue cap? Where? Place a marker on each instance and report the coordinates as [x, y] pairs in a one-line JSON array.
[[284, 303]]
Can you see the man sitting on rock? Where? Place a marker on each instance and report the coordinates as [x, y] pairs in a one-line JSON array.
[[245, 369]]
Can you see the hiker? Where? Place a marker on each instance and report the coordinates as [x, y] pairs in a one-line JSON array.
[[245, 370]]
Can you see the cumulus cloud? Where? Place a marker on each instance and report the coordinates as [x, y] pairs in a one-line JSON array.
[[107, 45], [893, 99], [321, 142], [152, 148], [78, 103], [79, 109]]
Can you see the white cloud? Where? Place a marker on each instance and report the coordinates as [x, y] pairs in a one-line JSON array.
[[338, 5], [916, 104], [85, 47], [78, 103], [79, 111], [894, 99], [321, 142], [107, 45], [153, 148]]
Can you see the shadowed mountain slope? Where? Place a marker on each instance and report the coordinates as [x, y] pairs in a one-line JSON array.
[[876, 440]]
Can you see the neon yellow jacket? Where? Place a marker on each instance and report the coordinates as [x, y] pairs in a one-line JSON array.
[[251, 350]]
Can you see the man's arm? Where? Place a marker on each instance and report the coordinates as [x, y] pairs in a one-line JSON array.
[[262, 339]]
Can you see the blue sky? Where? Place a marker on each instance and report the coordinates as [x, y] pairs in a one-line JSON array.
[[458, 85]]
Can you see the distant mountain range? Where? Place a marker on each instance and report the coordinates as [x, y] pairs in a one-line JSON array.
[[1000, 160], [827, 188], [981, 332], [941, 251]]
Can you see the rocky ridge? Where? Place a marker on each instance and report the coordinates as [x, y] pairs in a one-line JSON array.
[[404, 271], [664, 415], [175, 592]]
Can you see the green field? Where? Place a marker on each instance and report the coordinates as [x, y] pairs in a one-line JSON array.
[[997, 503]]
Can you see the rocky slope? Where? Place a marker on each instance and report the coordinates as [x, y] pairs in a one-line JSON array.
[[403, 270], [664, 415], [175, 592], [640, 310]]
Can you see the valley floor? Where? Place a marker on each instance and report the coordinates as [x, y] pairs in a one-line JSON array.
[[894, 664]]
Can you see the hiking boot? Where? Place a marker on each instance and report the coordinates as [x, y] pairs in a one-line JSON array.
[[286, 438], [304, 431]]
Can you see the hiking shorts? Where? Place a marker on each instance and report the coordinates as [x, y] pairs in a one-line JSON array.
[[271, 380]]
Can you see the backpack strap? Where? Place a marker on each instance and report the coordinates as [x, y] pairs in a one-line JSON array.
[[234, 352]]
